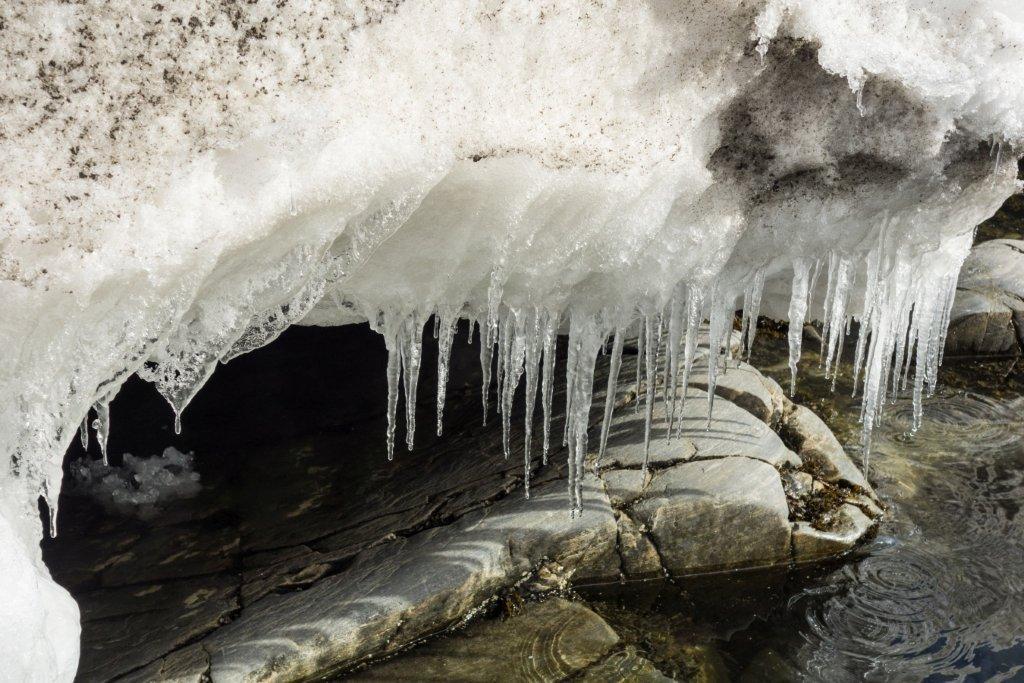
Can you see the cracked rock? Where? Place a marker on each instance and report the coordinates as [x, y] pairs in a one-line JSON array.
[[720, 514]]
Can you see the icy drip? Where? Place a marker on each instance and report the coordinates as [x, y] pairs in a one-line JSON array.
[[609, 399], [513, 357], [841, 277], [102, 425], [550, 342], [412, 352], [486, 351], [718, 331], [83, 432], [393, 372], [797, 312], [694, 314], [676, 322], [641, 345], [532, 359], [585, 339], [652, 337], [751, 310], [445, 324]]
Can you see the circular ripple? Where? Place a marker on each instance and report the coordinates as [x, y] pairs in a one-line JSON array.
[[956, 419]]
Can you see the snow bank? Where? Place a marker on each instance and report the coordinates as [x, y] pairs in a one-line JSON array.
[[183, 180]]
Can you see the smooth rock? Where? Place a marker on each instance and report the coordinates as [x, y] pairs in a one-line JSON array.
[[740, 384], [849, 526], [188, 665], [731, 432], [820, 448], [981, 324], [547, 641], [144, 622], [397, 592], [717, 514]]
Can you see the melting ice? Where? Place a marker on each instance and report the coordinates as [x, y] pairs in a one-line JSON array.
[[562, 174]]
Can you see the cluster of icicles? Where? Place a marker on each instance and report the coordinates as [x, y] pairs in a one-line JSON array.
[[904, 316]]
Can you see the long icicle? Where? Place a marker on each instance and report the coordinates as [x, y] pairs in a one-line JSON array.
[[797, 312], [533, 355], [609, 399], [550, 341], [446, 326], [412, 355]]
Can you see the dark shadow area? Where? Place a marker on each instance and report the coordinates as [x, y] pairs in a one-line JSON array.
[[289, 444]]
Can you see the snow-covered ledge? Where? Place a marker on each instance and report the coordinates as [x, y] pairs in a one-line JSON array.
[[183, 180]]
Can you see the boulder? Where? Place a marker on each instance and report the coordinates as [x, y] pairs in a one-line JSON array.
[[726, 513], [988, 312]]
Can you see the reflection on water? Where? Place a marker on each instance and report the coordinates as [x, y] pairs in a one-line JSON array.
[[938, 595]]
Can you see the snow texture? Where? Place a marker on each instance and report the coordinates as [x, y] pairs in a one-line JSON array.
[[140, 485], [183, 180]]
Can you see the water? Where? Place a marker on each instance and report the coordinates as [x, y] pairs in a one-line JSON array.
[[939, 593]]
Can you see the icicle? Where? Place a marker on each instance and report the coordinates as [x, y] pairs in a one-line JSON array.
[[651, 335], [486, 349], [102, 425], [571, 368], [797, 311], [675, 333], [445, 336], [412, 355], [177, 422], [533, 355], [751, 310], [393, 372], [51, 509], [516, 332], [504, 351], [641, 345], [550, 341], [718, 331], [694, 310], [83, 431], [609, 399], [585, 339], [860, 101]]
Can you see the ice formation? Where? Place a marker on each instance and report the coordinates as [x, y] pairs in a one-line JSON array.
[[183, 180], [140, 485]]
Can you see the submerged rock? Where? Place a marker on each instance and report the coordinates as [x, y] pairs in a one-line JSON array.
[[626, 665], [547, 641]]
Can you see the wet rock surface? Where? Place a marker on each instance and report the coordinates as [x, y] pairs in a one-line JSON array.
[[547, 641], [314, 557], [988, 312]]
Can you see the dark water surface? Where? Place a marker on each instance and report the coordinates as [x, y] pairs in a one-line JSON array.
[[938, 595]]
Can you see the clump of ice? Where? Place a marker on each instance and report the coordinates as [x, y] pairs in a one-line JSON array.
[[140, 485], [182, 181]]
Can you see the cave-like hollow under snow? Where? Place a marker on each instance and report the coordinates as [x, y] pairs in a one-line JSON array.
[[183, 181]]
